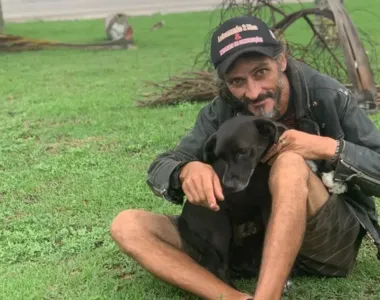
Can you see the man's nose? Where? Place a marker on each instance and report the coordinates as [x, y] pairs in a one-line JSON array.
[[253, 89]]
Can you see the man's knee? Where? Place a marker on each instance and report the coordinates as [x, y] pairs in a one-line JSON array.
[[127, 226], [291, 172], [288, 166], [132, 228]]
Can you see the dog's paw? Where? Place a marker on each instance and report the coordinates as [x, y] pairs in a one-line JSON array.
[[287, 286], [328, 179], [338, 188], [333, 186], [312, 165]]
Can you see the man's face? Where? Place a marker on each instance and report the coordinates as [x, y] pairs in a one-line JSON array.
[[260, 83]]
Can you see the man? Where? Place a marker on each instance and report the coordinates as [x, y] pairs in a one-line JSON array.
[[318, 232]]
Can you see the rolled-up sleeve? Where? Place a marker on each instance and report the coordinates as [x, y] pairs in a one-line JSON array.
[[359, 161], [160, 172]]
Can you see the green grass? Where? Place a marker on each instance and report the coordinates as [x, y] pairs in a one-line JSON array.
[[74, 152]]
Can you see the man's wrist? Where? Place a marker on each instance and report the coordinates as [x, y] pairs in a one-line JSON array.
[[175, 179], [331, 149]]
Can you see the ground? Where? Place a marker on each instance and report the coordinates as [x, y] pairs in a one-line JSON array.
[[74, 152]]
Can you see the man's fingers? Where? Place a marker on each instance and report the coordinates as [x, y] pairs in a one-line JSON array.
[[198, 186], [187, 192], [272, 160], [271, 152], [283, 136], [218, 191], [191, 193], [203, 188], [209, 191]]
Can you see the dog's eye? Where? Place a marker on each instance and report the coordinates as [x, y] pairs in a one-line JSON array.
[[243, 151]]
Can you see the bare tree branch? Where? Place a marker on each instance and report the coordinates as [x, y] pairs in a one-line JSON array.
[[344, 59]]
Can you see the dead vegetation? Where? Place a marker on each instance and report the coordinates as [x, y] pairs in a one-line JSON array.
[[348, 62]]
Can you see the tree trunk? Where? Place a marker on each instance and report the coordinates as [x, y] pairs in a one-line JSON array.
[[325, 27], [323, 3], [1, 18]]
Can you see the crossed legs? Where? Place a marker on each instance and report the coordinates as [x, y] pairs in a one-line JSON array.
[[153, 241]]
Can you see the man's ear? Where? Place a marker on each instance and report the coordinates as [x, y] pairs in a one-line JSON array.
[[283, 62], [209, 149]]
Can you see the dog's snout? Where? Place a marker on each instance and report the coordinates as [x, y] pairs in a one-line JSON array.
[[231, 183], [234, 183]]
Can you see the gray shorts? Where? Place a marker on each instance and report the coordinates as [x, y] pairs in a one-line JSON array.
[[330, 245]]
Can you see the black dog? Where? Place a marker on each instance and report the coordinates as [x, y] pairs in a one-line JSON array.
[[241, 143], [225, 237]]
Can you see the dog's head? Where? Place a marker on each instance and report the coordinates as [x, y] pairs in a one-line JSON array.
[[241, 143]]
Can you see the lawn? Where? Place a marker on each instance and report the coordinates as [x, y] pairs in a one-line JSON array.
[[75, 150]]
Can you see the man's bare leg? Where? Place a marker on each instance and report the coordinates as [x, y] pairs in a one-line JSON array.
[[153, 241], [297, 193]]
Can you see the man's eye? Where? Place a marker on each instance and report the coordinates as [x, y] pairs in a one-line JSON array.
[[261, 72], [236, 82]]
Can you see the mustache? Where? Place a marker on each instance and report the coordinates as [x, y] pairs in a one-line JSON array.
[[261, 97]]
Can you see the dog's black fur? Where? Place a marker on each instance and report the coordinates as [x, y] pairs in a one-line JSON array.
[[241, 143], [235, 152]]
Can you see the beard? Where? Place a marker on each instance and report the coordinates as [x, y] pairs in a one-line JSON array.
[[275, 95]]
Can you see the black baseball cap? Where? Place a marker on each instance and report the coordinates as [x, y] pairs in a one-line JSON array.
[[240, 35]]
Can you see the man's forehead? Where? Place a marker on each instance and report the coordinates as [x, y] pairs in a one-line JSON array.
[[252, 61]]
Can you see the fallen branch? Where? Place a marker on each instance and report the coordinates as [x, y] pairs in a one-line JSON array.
[[198, 86], [14, 43]]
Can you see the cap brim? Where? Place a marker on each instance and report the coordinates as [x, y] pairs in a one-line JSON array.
[[226, 64]]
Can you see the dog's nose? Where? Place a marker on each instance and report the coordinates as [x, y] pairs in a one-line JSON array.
[[234, 185]]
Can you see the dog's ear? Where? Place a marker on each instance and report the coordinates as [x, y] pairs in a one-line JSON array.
[[268, 129], [209, 149], [280, 130]]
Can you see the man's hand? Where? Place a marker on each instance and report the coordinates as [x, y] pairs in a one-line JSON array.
[[201, 185], [309, 146]]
